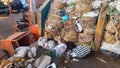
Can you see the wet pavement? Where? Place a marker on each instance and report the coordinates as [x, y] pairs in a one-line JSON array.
[[6, 26], [93, 61]]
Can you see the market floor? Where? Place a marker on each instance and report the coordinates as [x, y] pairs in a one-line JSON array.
[[93, 61], [6, 25]]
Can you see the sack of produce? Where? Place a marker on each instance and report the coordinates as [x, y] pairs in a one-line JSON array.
[[109, 38], [84, 38], [110, 27], [83, 6], [58, 4], [69, 26], [90, 31], [88, 22], [71, 36]]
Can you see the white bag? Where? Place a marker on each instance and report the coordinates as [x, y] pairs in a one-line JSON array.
[[96, 4], [111, 47], [42, 41], [45, 62], [60, 49], [21, 51], [32, 52], [49, 45]]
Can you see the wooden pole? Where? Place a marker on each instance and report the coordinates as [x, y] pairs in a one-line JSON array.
[[100, 28]]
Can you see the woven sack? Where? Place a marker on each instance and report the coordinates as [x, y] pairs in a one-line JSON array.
[[71, 36], [50, 27], [110, 27], [89, 31], [119, 34], [49, 35], [88, 22], [83, 6], [69, 26], [54, 17], [57, 4], [62, 33], [87, 44], [84, 38], [118, 26], [109, 38]]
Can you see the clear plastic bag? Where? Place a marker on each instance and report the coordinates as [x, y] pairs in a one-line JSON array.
[[60, 49]]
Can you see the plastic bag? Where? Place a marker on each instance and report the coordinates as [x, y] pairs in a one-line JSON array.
[[80, 51], [45, 62], [32, 52], [21, 51], [96, 4], [42, 41], [111, 47], [49, 45], [90, 14], [60, 49], [79, 27]]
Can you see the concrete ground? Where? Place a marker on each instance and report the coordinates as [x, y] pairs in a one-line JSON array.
[[93, 61], [6, 28]]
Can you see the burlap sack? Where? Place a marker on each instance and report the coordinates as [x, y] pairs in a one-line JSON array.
[[54, 17], [87, 44], [118, 26], [49, 35], [119, 34], [84, 38], [110, 27], [55, 20], [50, 27], [90, 31], [69, 26], [57, 4], [62, 33], [71, 14], [71, 36], [83, 6], [88, 22], [109, 38], [52, 11]]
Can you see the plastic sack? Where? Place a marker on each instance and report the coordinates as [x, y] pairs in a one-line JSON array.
[[83, 6], [60, 49], [90, 14], [53, 65], [79, 27], [29, 66], [49, 45], [42, 41], [45, 62], [83, 38], [21, 51], [32, 52], [65, 17], [71, 36], [69, 26], [96, 4], [109, 38], [57, 4], [111, 47], [80, 51]]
